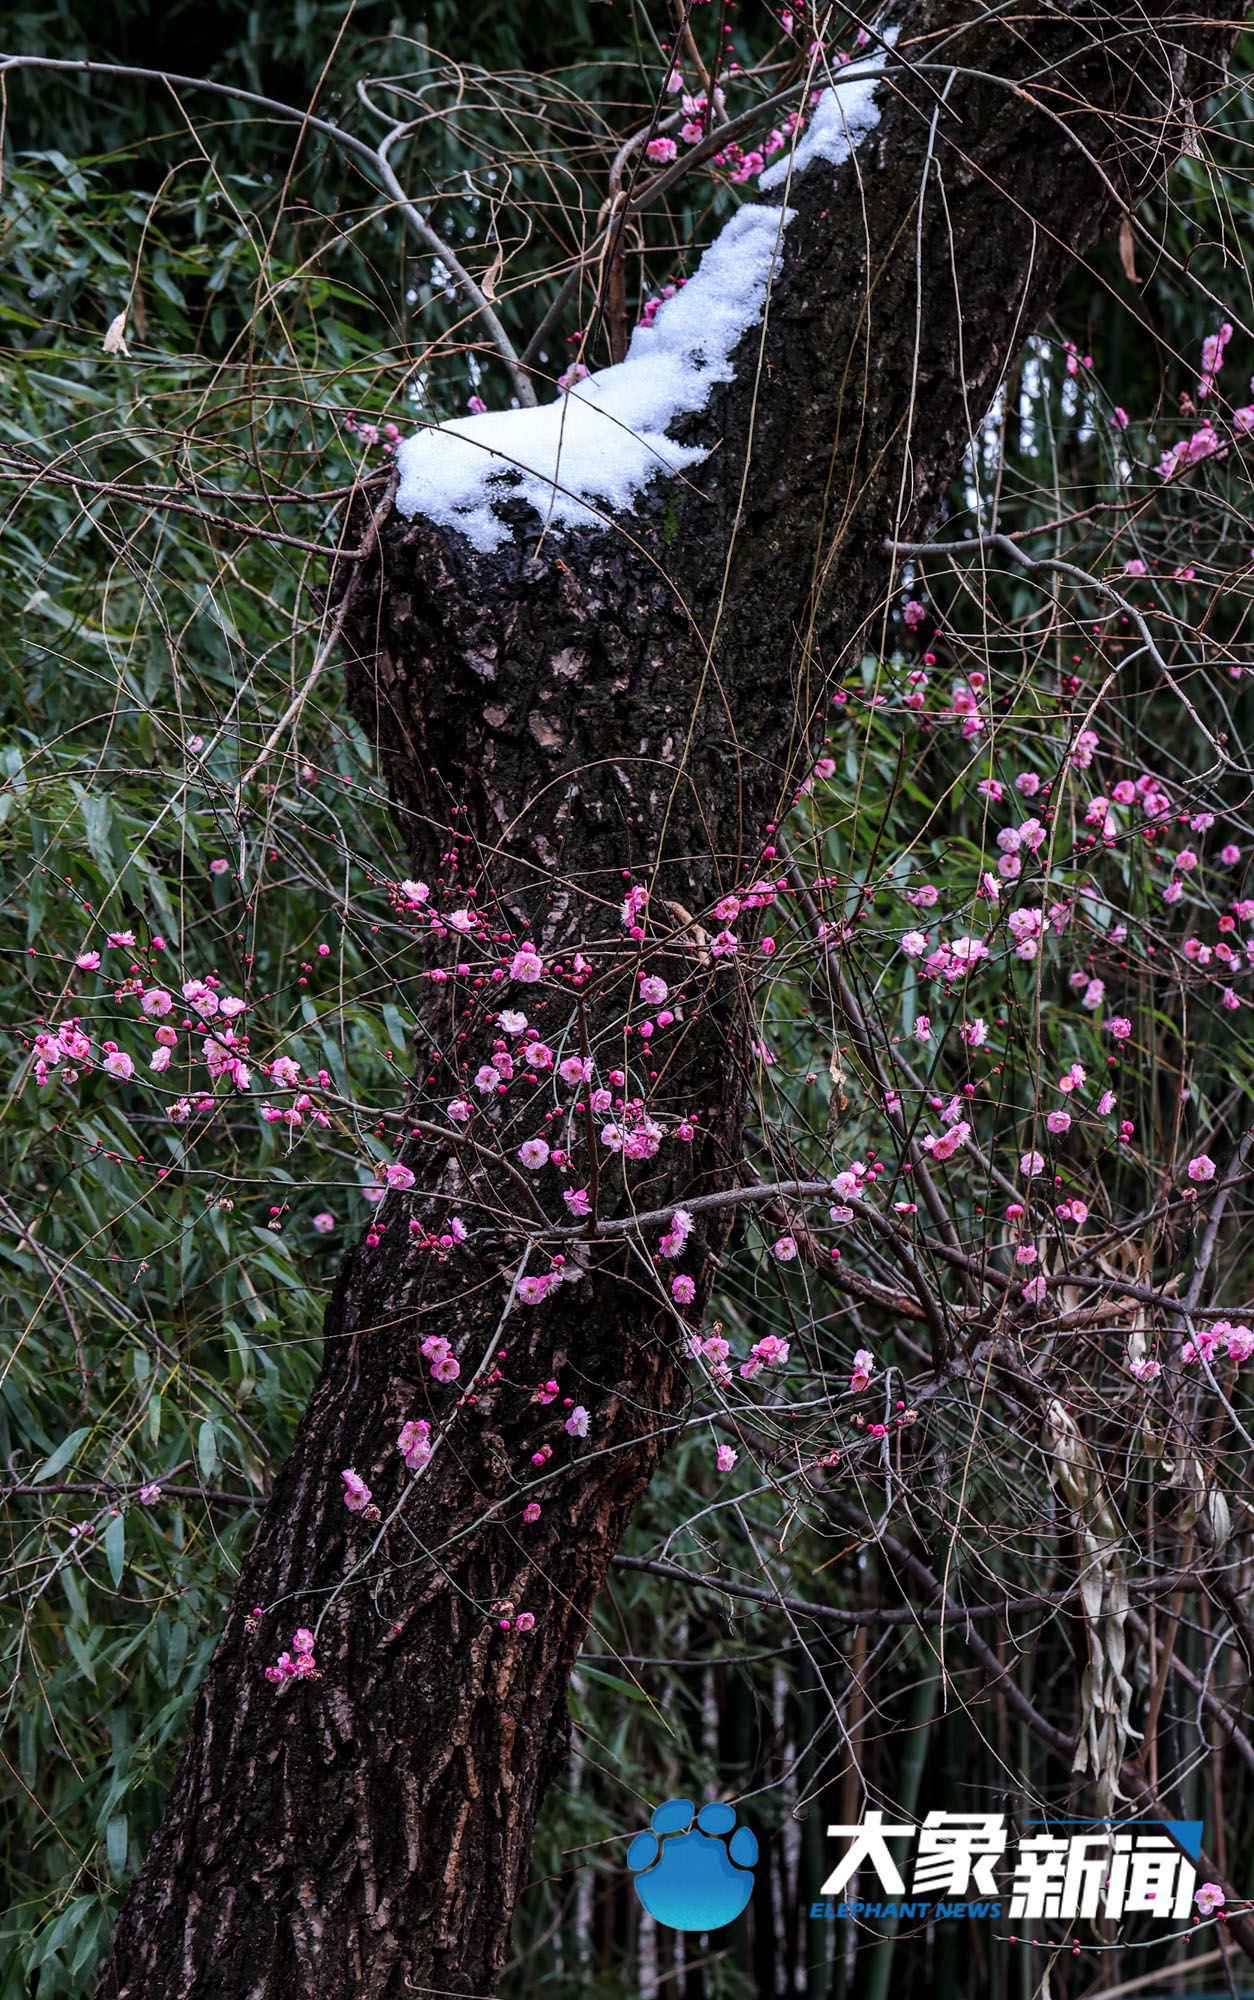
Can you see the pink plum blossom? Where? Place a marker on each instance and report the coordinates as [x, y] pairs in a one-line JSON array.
[[414, 1443], [526, 966]]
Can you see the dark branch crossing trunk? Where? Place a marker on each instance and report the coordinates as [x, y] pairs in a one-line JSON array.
[[582, 707]]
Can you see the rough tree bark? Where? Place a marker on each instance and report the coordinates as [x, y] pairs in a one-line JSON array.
[[578, 706]]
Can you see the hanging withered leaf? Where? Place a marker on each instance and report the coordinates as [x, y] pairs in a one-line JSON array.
[[838, 1103], [1127, 250]]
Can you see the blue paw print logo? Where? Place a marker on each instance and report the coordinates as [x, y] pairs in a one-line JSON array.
[[691, 1876]]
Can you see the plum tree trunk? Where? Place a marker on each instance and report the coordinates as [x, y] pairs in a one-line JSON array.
[[573, 710]]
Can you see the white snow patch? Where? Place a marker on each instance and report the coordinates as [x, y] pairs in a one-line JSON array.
[[843, 116], [592, 450], [602, 441]]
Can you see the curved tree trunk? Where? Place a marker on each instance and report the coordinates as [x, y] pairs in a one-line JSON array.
[[579, 708]]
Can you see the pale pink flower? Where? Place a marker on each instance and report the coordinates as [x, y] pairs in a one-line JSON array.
[[1209, 1898], [88, 961], [681, 1226], [863, 1369], [414, 1443], [1201, 1168], [324, 1222], [356, 1491], [1058, 1121], [201, 997], [949, 1142], [527, 966], [726, 1457], [119, 1064], [1032, 1163], [969, 950], [577, 1422], [398, 1176], [683, 1290], [534, 1153], [785, 1249]]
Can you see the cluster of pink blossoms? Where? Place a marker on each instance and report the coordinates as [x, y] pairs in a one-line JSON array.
[[223, 1050], [299, 1664], [1237, 1342], [414, 1443], [445, 1367], [386, 435], [771, 1352]]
